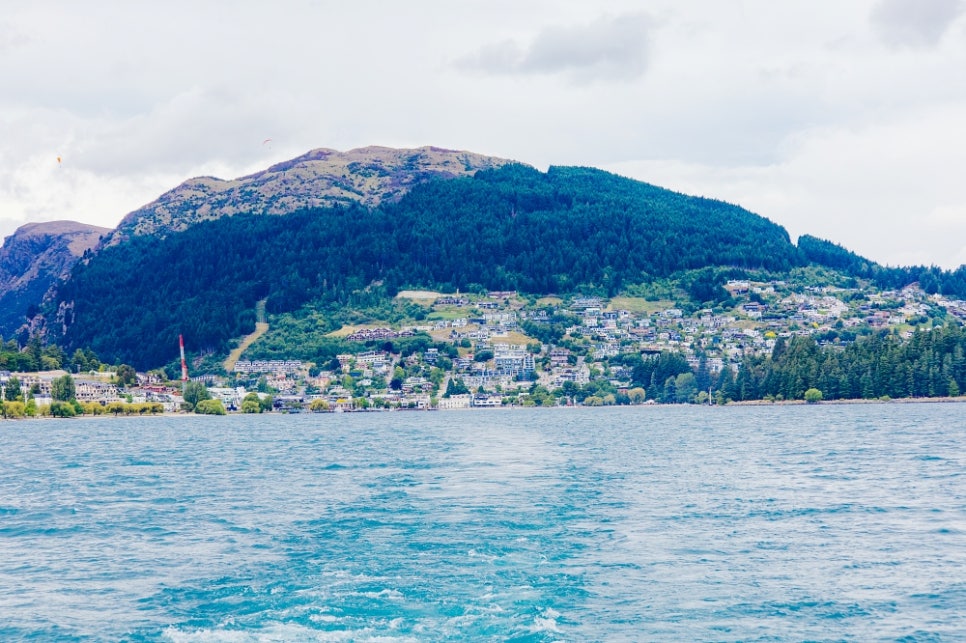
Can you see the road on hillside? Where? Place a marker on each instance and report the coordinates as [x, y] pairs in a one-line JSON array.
[[261, 327]]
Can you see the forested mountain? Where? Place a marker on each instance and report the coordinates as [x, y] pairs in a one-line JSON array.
[[322, 177], [508, 228], [34, 257]]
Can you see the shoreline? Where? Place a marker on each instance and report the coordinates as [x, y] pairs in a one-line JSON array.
[[905, 400], [893, 400]]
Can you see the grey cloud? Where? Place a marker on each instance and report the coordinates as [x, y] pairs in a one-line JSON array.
[[914, 23], [611, 48]]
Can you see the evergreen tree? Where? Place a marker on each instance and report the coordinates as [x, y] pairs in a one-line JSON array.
[[13, 390], [62, 389]]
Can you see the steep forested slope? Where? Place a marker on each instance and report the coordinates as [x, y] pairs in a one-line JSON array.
[[536, 232], [509, 228]]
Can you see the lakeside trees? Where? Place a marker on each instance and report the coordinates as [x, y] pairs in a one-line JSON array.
[[194, 393], [63, 389], [930, 364], [210, 407], [34, 356], [12, 392], [813, 396]]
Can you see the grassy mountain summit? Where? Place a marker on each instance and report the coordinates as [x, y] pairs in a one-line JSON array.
[[319, 178]]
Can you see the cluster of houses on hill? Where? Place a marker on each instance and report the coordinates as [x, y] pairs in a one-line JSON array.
[[486, 351], [497, 361]]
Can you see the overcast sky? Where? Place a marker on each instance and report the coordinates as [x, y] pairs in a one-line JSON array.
[[841, 119]]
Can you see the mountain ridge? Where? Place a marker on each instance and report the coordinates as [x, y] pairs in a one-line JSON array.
[[319, 178]]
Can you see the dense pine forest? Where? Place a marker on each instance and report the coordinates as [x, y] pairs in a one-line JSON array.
[[930, 364]]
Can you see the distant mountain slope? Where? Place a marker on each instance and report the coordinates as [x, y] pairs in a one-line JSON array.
[[33, 258], [566, 230], [322, 177], [931, 279]]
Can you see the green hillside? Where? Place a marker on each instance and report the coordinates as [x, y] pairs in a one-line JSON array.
[[566, 230]]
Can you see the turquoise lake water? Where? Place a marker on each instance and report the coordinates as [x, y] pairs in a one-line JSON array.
[[625, 524]]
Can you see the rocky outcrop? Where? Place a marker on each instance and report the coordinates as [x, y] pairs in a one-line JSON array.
[[33, 258]]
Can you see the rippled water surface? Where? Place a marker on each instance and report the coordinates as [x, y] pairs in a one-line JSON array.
[[648, 523]]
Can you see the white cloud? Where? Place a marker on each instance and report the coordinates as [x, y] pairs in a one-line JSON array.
[[915, 23], [609, 48]]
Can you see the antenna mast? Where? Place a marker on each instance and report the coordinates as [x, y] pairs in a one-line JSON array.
[[184, 364]]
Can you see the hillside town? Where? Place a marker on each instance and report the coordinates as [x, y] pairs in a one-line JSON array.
[[482, 351]]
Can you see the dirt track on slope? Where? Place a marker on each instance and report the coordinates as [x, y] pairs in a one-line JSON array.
[[261, 327]]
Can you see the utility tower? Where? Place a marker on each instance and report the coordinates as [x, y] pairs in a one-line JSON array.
[[184, 364]]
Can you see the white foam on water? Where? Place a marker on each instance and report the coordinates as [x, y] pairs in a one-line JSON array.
[[279, 633], [324, 618], [546, 621], [391, 594]]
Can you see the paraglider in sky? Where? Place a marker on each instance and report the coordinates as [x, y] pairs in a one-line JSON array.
[[267, 140], [58, 160]]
